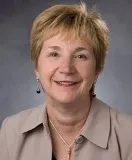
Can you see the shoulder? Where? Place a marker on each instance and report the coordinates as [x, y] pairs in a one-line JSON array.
[[117, 117], [17, 121], [122, 121], [12, 127], [121, 131]]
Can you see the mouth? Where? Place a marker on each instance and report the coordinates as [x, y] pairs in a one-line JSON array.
[[66, 83]]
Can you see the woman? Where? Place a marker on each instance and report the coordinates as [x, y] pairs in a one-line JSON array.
[[68, 50]]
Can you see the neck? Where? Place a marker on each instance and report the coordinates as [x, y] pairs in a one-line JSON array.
[[68, 118]]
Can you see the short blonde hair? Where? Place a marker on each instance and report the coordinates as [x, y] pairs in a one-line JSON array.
[[76, 21]]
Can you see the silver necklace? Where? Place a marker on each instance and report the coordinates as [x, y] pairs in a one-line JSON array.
[[69, 146]]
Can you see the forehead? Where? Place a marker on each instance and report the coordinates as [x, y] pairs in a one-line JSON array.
[[62, 40]]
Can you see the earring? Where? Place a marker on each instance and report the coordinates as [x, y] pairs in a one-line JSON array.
[[92, 90], [93, 95], [38, 89]]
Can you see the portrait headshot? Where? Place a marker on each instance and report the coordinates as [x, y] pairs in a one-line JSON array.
[[65, 67]]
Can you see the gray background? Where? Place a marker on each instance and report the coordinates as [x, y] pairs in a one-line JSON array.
[[17, 80]]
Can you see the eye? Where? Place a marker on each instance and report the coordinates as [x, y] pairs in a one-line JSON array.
[[81, 56], [53, 54]]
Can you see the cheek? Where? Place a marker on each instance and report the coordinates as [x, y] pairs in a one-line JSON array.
[[46, 69], [87, 70], [89, 76]]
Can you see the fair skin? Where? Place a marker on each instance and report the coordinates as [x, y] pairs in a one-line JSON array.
[[66, 70]]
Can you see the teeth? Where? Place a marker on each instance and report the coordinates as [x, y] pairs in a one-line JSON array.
[[66, 83]]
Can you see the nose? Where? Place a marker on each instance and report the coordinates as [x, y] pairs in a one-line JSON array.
[[67, 66]]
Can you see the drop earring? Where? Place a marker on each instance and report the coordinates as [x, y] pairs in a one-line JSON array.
[[38, 89], [93, 93]]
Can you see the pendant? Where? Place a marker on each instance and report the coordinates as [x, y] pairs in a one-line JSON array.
[[68, 153]]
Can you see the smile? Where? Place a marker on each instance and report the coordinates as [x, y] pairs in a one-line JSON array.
[[66, 83]]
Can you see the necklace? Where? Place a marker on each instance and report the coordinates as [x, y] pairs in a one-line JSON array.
[[69, 146]]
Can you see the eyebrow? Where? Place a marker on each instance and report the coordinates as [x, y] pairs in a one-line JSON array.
[[78, 49], [55, 47]]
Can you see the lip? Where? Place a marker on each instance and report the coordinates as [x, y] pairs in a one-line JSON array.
[[74, 83], [66, 81]]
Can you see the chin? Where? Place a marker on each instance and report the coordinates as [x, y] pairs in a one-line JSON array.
[[65, 99]]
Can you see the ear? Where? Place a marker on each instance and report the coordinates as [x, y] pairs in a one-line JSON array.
[[96, 77], [36, 73]]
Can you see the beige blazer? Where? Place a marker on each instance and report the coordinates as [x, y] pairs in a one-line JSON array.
[[107, 135]]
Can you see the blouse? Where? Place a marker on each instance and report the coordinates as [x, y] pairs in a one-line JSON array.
[[107, 134]]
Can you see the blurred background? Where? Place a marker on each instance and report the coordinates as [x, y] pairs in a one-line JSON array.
[[17, 80]]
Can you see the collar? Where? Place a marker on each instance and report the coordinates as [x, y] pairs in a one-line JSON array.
[[36, 117], [97, 125], [96, 128]]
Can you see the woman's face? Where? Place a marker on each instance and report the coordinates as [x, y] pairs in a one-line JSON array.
[[66, 69]]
